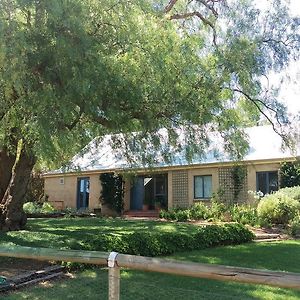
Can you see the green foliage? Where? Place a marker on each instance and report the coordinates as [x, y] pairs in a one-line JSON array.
[[105, 71], [199, 211], [292, 192], [295, 226], [290, 174], [112, 192], [47, 208], [244, 214], [36, 208], [277, 208], [217, 209], [35, 190], [238, 176], [31, 207], [157, 244]]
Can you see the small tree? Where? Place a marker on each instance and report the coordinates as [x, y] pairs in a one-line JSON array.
[[290, 174], [112, 192]]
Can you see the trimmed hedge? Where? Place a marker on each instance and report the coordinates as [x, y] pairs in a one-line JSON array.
[[159, 244]]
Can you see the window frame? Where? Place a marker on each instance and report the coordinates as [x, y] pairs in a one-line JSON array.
[[202, 198], [267, 181]]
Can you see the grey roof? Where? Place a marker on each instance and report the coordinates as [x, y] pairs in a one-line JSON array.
[[264, 144]]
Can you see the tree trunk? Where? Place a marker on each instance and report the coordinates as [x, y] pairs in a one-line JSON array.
[[7, 161], [12, 216]]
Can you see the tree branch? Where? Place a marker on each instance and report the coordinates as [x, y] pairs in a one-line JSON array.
[[201, 17], [255, 102], [170, 5]]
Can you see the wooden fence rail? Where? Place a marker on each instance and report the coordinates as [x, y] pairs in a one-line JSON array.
[[115, 260]]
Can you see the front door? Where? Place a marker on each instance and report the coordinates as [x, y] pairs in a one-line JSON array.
[[83, 193], [137, 194]]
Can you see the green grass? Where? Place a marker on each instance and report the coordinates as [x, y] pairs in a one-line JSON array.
[[92, 284], [60, 233]]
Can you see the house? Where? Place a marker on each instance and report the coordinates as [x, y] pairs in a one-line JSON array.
[[175, 184]]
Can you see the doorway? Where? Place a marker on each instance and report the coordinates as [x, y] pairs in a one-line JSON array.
[[149, 191], [83, 193]]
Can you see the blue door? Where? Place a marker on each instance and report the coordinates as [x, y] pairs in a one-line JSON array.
[[83, 193], [137, 194]]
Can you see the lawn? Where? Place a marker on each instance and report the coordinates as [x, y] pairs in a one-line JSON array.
[[92, 283], [60, 233]]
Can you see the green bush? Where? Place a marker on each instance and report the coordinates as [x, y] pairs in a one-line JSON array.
[[47, 208], [244, 214], [176, 214], [290, 174], [199, 211], [158, 244], [35, 208], [31, 208], [112, 192], [295, 226], [277, 208], [217, 209], [292, 192]]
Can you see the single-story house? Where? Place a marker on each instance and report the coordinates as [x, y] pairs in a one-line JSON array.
[[176, 184]]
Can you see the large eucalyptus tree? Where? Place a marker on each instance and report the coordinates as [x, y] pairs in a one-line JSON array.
[[71, 70]]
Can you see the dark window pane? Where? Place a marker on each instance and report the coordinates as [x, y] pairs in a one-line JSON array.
[[262, 182], [207, 183], [160, 186], [198, 188], [273, 182]]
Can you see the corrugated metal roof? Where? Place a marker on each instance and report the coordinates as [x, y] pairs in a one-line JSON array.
[[264, 144]]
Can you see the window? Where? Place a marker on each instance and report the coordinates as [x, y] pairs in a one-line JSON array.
[[61, 180], [267, 182], [202, 187]]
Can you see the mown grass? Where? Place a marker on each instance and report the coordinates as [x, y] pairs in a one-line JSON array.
[[92, 283], [61, 233]]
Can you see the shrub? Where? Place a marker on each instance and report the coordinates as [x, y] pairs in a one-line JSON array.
[[290, 174], [157, 244], [217, 209], [295, 226], [112, 192], [199, 211], [176, 214], [35, 208], [244, 214], [47, 208], [31, 208], [292, 192], [277, 208]]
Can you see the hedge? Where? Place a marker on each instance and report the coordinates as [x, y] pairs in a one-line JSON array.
[[159, 244]]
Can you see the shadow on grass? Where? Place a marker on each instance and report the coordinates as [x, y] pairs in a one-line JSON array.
[[135, 285]]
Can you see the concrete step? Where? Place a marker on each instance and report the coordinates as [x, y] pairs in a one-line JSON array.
[[143, 214], [262, 236], [267, 240]]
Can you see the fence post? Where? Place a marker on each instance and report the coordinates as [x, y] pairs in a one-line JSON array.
[[113, 277]]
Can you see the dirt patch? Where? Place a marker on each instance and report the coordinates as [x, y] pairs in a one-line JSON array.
[[10, 267]]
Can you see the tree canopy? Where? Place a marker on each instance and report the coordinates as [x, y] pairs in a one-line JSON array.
[[72, 70]]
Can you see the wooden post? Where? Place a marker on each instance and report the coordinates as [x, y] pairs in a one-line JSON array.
[[113, 277]]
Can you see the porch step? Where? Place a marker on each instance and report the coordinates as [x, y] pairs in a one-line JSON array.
[[265, 236], [142, 214], [267, 240]]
